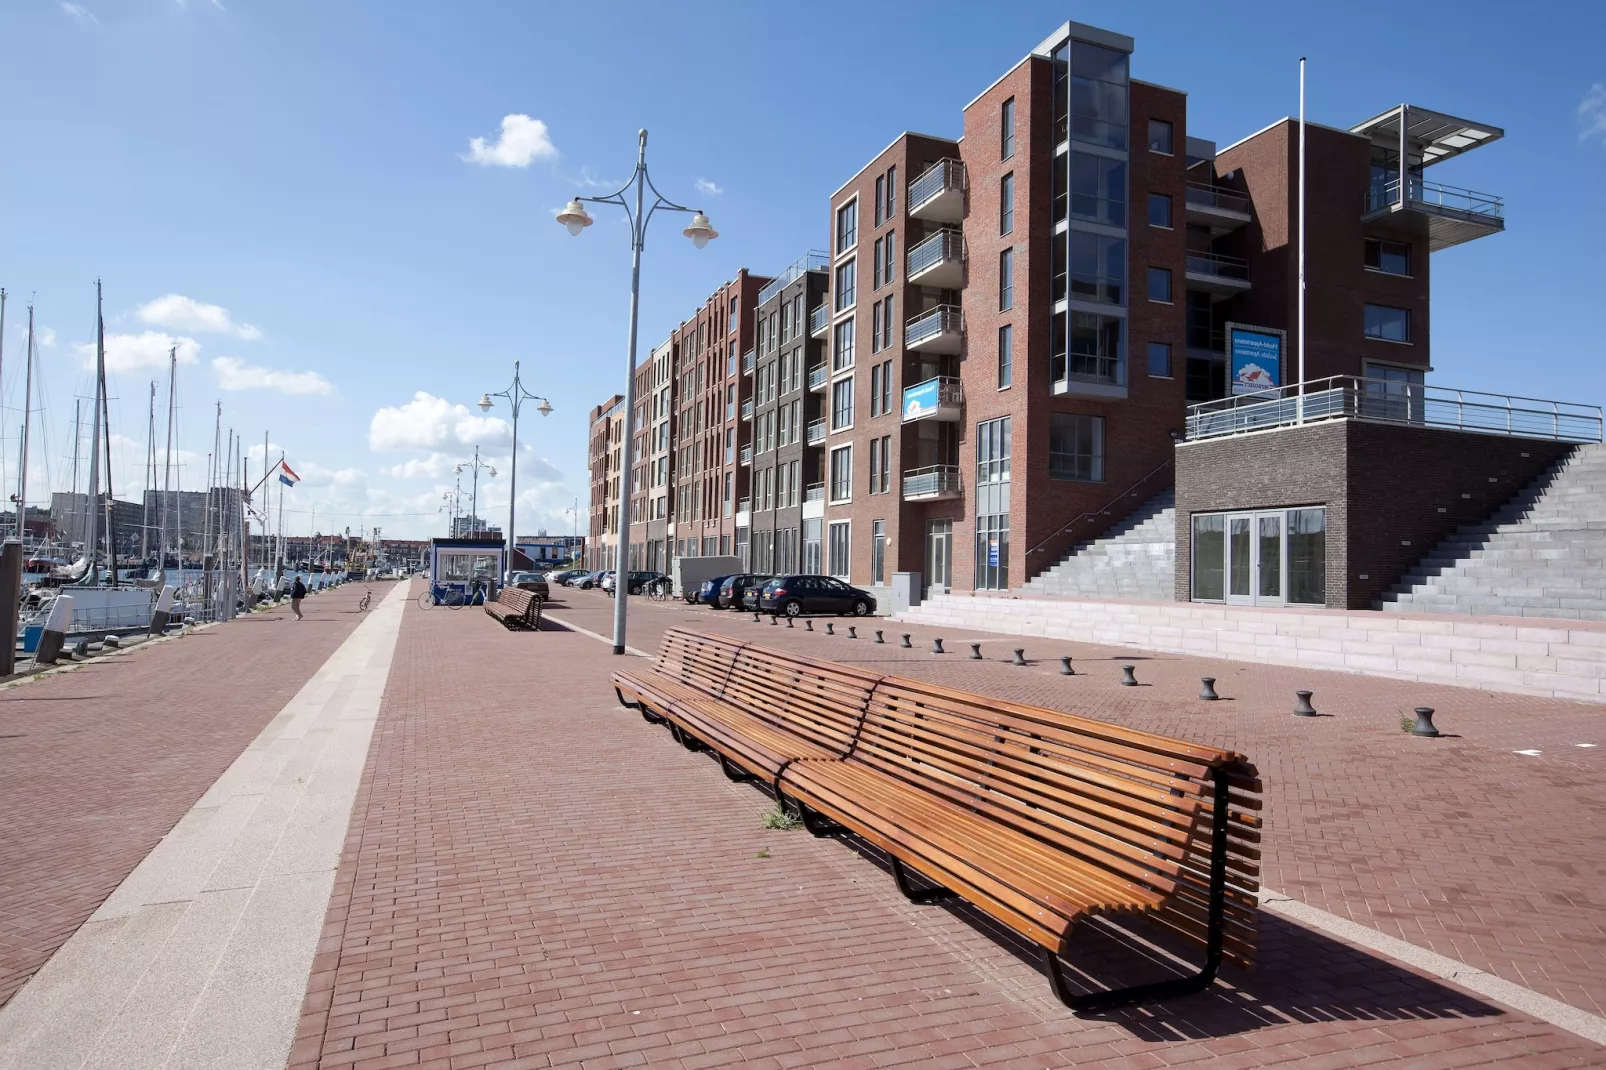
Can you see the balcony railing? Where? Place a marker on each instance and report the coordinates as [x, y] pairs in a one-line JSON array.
[[814, 492], [820, 320], [935, 481], [942, 253], [1390, 401], [938, 192], [747, 409], [819, 375], [1436, 195], [747, 455], [935, 399], [813, 260], [748, 360], [931, 329], [1205, 195], [744, 505], [1087, 368], [1216, 266], [816, 432]]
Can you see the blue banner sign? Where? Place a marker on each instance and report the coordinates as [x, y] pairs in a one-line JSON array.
[[1257, 358], [920, 399]]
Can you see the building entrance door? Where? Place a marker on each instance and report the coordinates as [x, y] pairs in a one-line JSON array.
[[939, 555], [1256, 565]]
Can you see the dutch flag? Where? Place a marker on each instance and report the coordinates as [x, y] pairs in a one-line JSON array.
[[286, 476]]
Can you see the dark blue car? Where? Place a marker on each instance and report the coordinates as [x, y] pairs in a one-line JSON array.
[[708, 593]]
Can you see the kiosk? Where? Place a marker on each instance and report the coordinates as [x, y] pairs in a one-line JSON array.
[[464, 565]]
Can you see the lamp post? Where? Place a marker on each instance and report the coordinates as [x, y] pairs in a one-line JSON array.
[[700, 232], [515, 395], [474, 494]]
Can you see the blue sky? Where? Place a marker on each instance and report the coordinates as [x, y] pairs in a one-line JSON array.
[[291, 177]]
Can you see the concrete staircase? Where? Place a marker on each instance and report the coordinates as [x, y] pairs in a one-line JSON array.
[[1543, 554], [1135, 559]]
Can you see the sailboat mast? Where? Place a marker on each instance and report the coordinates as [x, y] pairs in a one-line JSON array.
[[76, 439], [92, 523], [150, 477], [27, 415], [167, 465], [111, 498]]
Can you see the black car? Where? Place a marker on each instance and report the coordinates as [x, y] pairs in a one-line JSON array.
[[730, 593], [707, 593], [794, 595]]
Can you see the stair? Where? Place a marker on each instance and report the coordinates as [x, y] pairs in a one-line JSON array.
[[1134, 559], [1542, 554]]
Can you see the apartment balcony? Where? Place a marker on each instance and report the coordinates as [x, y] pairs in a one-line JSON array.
[[939, 261], [1449, 215], [820, 321], [1220, 209], [936, 331], [819, 376], [1224, 276], [816, 432], [814, 492], [1087, 375], [938, 193], [814, 501], [747, 455], [941, 398], [933, 483], [749, 359], [747, 409]]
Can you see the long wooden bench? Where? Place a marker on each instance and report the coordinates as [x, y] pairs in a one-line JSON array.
[[757, 709], [1039, 818], [517, 609]]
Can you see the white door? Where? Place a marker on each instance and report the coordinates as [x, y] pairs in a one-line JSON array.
[[1256, 559], [939, 555]]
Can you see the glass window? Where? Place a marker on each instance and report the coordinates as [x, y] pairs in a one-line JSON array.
[[1098, 267], [1076, 447], [1006, 356], [841, 404], [1160, 284], [886, 463], [886, 324], [842, 346], [890, 268], [1006, 204], [846, 277], [1307, 556], [878, 551], [1160, 136], [875, 398], [992, 504], [1096, 348], [1209, 557], [875, 327], [839, 549], [876, 262], [1389, 257], [847, 226], [1389, 324], [875, 463], [880, 197], [892, 191], [812, 530], [1159, 210], [842, 474], [1098, 99], [1006, 280], [1006, 127], [1098, 189], [1160, 360]]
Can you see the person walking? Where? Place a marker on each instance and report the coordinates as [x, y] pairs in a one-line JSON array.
[[297, 593]]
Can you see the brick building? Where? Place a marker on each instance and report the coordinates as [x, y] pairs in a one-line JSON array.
[[604, 455]]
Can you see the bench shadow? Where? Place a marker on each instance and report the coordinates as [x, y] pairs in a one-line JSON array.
[[549, 625]]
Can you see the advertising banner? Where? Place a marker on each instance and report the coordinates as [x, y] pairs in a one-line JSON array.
[[1256, 357], [920, 398]]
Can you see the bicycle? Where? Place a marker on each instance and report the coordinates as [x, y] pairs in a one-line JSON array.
[[367, 600], [658, 590]]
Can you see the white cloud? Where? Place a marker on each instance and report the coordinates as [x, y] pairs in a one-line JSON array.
[[707, 187], [435, 466], [523, 141], [45, 337], [428, 422], [78, 13], [133, 352], [235, 374], [179, 313], [1592, 115]]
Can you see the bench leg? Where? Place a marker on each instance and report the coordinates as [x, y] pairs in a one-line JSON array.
[[620, 695], [648, 716], [687, 740], [1179, 986], [817, 823], [935, 894], [733, 773]]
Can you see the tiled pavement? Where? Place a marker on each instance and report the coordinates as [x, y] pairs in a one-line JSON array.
[[534, 877], [97, 764]]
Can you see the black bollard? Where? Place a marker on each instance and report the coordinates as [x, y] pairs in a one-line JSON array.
[[1209, 691], [1020, 655], [789, 622], [1424, 722], [853, 632], [80, 649], [112, 642], [936, 646], [1128, 676], [1065, 666], [755, 618], [906, 643], [830, 628], [775, 621], [975, 651], [1303, 708], [808, 625], [878, 636]]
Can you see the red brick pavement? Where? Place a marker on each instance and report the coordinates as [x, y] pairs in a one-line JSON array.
[[534, 877], [99, 763]]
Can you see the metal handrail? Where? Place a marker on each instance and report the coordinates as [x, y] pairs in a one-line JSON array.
[[820, 319], [1224, 267], [813, 260], [933, 478], [747, 454], [744, 505], [1104, 510], [933, 181], [814, 492], [749, 359], [815, 434], [1390, 401], [1425, 192], [819, 374], [1212, 196], [944, 319], [747, 409], [946, 244]]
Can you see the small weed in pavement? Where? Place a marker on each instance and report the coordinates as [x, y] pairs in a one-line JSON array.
[[780, 819], [1407, 723], [763, 852]]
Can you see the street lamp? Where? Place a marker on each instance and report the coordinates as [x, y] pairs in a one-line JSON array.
[[474, 495], [515, 395], [701, 232]]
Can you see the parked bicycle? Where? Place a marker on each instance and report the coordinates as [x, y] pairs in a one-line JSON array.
[[367, 600], [658, 590]]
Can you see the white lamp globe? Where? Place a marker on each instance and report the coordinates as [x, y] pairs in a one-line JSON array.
[[700, 231]]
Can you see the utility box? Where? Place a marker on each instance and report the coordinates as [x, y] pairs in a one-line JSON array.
[[905, 591], [690, 572]]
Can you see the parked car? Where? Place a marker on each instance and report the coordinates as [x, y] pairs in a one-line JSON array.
[[535, 582], [708, 593], [795, 595], [590, 579], [562, 578], [637, 580], [734, 587]]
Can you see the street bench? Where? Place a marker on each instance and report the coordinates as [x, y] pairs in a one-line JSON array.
[[517, 609], [1038, 818]]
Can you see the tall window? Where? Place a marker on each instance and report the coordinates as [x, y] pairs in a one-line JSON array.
[[1006, 280], [875, 326], [842, 346], [841, 489], [875, 465], [875, 401], [1160, 136], [878, 551], [889, 269], [1098, 105], [1160, 360], [1159, 210], [812, 565], [887, 319], [846, 277], [1388, 324], [992, 504], [1098, 189], [1160, 284], [1006, 204], [1006, 128], [842, 404], [1006, 356], [892, 191], [1096, 349], [839, 549], [1389, 257], [1076, 447], [876, 263], [886, 387], [847, 226], [880, 198], [886, 463]]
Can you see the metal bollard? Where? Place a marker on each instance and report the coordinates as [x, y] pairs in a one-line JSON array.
[[775, 621], [936, 646], [878, 636], [906, 643], [755, 618], [1209, 692], [789, 622], [1065, 666], [1303, 708], [1020, 655], [975, 651], [111, 641], [1128, 676], [1424, 722], [808, 625], [853, 632], [830, 628]]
